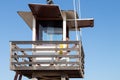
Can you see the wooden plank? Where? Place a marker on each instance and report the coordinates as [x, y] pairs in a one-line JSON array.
[[46, 49], [46, 68], [45, 62], [34, 56], [45, 42], [82, 23], [11, 53]]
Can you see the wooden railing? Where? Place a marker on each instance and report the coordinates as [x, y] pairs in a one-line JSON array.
[[27, 55]]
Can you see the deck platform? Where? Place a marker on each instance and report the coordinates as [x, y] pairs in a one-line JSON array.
[[24, 62], [50, 73]]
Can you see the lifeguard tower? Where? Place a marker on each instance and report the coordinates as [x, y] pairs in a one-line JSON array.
[[51, 55]]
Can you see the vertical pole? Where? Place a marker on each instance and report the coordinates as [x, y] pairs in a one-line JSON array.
[[33, 38], [65, 32], [11, 53], [16, 76], [20, 76], [64, 27], [34, 30], [63, 78]]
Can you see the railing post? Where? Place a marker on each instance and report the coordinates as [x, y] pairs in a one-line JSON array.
[[79, 44], [11, 53]]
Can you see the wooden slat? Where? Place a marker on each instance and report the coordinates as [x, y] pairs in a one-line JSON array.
[[46, 62], [22, 51], [34, 56], [46, 68], [46, 49], [45, 42]]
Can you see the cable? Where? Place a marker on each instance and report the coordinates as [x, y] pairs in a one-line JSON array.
[[79, 10], [74, 3], [79, 6]]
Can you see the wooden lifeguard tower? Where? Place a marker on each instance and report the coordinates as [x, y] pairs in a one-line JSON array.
[[43, 58]]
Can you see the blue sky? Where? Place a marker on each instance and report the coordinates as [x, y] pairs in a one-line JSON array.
[[101, 43]]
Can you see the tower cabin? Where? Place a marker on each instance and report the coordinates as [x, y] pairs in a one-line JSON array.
[[51, 55]]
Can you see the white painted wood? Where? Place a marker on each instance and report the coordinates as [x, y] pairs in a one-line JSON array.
[[34, 30], [64, 35], [45, 53], [33, 37], [64, 27]]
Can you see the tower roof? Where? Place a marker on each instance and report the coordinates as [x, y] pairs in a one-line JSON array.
[[52, 12]]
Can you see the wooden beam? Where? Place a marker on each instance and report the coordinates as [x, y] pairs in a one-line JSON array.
[[45, 42], [46, 49], [46, 62], [81, 23], [42, 55], [45, 68]]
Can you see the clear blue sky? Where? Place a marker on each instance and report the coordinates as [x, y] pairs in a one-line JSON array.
[[101, 43]]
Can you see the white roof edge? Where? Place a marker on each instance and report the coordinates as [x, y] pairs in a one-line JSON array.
[[81, 19], [43, 4]]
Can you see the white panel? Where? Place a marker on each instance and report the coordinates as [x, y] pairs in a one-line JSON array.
[[45, 53]]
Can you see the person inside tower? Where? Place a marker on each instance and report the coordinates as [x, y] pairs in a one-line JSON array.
[[62, 52]]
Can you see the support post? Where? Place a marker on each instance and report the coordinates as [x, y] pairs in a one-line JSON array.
[[64, 26], [20, 77], [34, 30], [64, 77], [11, 53], [16, 76], [34, 36]]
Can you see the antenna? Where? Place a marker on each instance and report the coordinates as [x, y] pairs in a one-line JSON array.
[[49, 2]]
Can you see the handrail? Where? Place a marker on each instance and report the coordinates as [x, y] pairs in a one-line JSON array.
[[45, 42], [25, 58]]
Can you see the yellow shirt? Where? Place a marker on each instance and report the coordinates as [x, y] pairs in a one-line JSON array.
[[61, 46]]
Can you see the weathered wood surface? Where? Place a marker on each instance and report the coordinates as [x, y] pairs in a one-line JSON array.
[[26, 61], [46, 68], [45, 42], [46, 49], [42, 55], [46, 62]]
